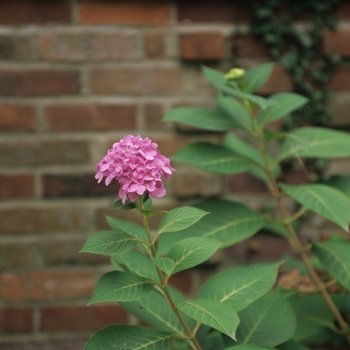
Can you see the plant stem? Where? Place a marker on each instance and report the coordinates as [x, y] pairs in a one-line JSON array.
[[294, 239], [163, 280]]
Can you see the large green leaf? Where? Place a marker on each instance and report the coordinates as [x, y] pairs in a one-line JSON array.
[[240, 286], [156, 311], [120, 286], [201, 118], [109, 243], [127, 227], [212, 158], [292, 345], [254, 99], [214, 314], [217, 79], [324, 200], [228, 222], [313, 316], [235, 110], [165, 264], [286, 102], [135, 261], [191, 252], [248, 347], [180, 218], [269, 321], [316, 142], [335, 256], [124, 337], [257, 76]]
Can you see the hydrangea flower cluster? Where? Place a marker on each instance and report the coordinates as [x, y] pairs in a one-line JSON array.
[[138, 167]]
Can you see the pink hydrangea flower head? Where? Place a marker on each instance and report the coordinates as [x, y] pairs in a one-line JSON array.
[[138, 167]]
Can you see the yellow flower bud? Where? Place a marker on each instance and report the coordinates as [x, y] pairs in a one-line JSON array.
[[235, 74]]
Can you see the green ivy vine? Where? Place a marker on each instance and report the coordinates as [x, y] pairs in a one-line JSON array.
[[299, 49]]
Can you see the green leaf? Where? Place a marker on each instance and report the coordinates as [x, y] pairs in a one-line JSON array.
[[217, 79], [324, 200], [257, 76], [340, 182], [165, 264], [313, 316], [212, 158], [258, 100], [235, 110], [286, 103], [316, 142], [109, 243], [213, 314], [228, 222], [128, 205], [240, 286], [126, 337], [180, 218], [135, 261], [292, 345], [127, 227], [156, 311], [269, 321], [191, 252], [335, 257], [248, 347], [120, 286], [200, 118]]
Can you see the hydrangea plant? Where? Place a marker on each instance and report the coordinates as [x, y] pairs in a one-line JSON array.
[[241, 308]]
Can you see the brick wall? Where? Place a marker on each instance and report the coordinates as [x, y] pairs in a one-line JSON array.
[[76, 77]]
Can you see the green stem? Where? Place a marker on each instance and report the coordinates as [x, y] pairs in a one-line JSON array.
[[294, 239], [164, 279]]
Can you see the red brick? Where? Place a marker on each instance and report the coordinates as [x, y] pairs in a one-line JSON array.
[[154, 45], [341, 79], [202, 46], [15, 47], [212, 11], [39, 220], [244, 46], [76, 185], [245, 183], [37, 82], [72, 318], [43, 153], [34, 11], [17, 118], [294, 177], [90, 117], [342, 10], [137, 80], [279, 81], [46, 285], [337, 41], [81, 46], [182, 281], [51, 344], [153, 115], [136, 12], [16, 186], [337, 105], [16, 320]]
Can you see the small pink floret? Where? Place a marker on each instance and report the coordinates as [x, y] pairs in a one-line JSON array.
[[138, 167]]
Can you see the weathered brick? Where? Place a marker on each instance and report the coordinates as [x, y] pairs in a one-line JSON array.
[[76, 317], [337, 41], [136, 80], [154, 45], [17, 118], [76, 185], [15, 47], [52, 344], [294, 177], [246, 46], [24, 253], [16, 186], [342, 10], [29, 220], [137, 12], [64, 250], [245, 183], [279, 81], [337, 105], [34, 11], [212, 11], [341, 79], [38, 82], [16, 320], [170, 144], [193, 183], [90, 117], [46, 285], [153, 115], [82, 46], [202, 46], [43, 153], [182, 281]]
